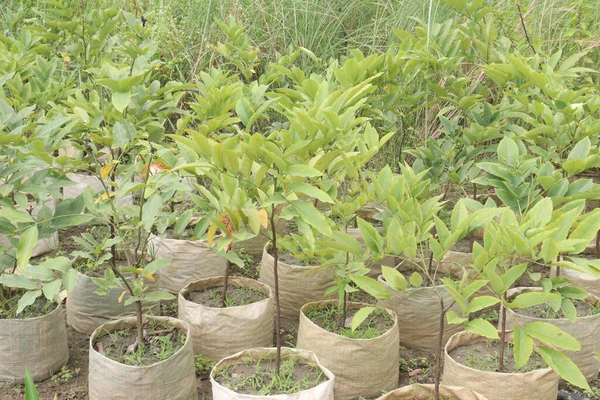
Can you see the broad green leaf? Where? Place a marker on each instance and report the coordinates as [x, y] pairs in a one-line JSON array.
[[454, 318], [120, 100], [13, 215], [481, 302], [530, 299], [123, 134], [27, 242], [69, 279], [309, 214], [372, 238], [416, 279], [568, 309], [395, 279], [302, 170], [17, 281], [150, 210], [155, 265], [311, 191], [587, 227], [360, 316], [27, 299], [157, 296], [523, 346], [573, 292], [482, 327], [551, 334], [51, 289], [371, 286], [563, 366]]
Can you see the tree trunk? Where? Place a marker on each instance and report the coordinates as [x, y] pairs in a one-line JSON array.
[[276, 279]]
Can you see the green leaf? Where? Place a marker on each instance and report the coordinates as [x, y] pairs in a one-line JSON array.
[[481, 302], [51, 289], [120, 100], [453, 318], [371, 286], [157, 296], [372, 238], [587, 227], [150, 210], [530, 299], [27, 299], [311, 191], [309, 214], [523, 346], [69, 279], [123, 134], [483, 328], [360, 316], [568, 309], [31, 392], [302, 170], [581, 149], [551, 334], [156, 265], [13, 215], [573, 292], [563, 366], [416, 279], [27, 242], [17, 281], [395, 279]]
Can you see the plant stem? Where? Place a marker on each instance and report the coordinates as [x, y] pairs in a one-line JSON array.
[[276, 279], [226, 283], [438, 355], [140, 331], [598, 245], [502, 337]]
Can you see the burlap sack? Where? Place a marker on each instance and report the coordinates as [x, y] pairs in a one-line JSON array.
[[220, 332], [323, 391], [425, 392], [86, 310], [173, 378], [373, 266], [191, 260], [418, 310], [36, 344], [541, 384], [585, 329], [82, 181], [44, 245], [298, 284], [362, 367]]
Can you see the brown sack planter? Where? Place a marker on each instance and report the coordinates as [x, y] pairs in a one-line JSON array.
[[585, 329], [586, 281], [418, 311], [540, 384], [87, 310], [425, 392], [191, 260], [298, 284], [362, 367], [323, 391], [36, 344], [173, 378], [220, 332]]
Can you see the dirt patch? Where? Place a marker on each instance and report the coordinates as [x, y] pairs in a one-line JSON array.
[[255, 377], [485, 357], [416, 367], [331, 319], [236, 296], [160, 343]]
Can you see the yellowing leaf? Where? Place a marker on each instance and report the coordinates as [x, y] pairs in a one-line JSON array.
[[103, 197], [211, 234], [122, 295], [106, 170], [150, 277], [264, 218]]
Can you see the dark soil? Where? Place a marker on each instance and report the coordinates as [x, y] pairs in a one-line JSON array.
[[584, 309], [160, 343], [169, 308], [255, 377], [41, 306], [330, 318], [236, 296], [484, 357], [288, 258]]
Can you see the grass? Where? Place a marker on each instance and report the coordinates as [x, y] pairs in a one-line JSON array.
[[328, 318]]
